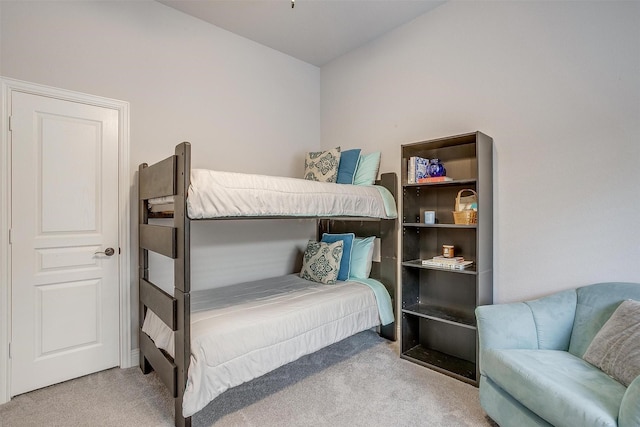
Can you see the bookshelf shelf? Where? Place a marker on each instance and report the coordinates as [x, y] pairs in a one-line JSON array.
[[444, 184], [442, 314], [461, 369], [416, 263], [422, 225]]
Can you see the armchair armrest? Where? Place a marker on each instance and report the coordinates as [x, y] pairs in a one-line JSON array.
[[505, 326], [629, 415], [544, 323]]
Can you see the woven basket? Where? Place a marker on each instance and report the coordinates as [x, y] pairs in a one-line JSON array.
[[465, 216]]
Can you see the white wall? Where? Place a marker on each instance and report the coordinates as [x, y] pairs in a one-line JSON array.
[[185, 80], [554, 83], [243, 106], [557, 85]]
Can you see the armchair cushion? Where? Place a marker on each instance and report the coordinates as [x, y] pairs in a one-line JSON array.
[[561, 388]]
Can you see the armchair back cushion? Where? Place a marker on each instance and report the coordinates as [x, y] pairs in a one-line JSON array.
[[507, 326], [596, 304], [554, 317]]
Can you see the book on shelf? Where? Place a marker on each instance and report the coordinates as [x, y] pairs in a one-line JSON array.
[[416, 169], [422, 165], [411, 170], [442, 258], [456, 263], [434, 179]]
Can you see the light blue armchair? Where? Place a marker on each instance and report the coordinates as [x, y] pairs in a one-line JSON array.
[[531, 366]]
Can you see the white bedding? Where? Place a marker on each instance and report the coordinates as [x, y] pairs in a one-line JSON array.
[[243, 331], [215, 194]]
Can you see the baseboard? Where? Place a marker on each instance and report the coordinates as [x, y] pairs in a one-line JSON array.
[[133, 359]]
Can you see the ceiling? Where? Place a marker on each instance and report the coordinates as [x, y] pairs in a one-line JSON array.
[[314, 31]]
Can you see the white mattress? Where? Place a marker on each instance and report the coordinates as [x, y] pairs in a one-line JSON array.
[[241, 332], [215, 194]]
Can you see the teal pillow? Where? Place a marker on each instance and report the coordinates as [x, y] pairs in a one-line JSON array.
[[348, 164], [367, 170], [362, 257], [345, 262], [321, 262]]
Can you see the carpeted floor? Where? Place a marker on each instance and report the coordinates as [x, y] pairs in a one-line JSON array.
[[360, 381]]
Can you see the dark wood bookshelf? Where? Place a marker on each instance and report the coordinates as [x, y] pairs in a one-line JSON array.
[[438, 304]]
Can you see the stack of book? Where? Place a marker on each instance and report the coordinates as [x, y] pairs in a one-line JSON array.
[[417, 169], [434, 179], [454, 263]]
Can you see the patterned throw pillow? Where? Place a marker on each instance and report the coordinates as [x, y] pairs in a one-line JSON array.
[[321, 262], [322, 165]]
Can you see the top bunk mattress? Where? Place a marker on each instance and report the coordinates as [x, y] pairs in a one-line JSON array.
[[216, 194]]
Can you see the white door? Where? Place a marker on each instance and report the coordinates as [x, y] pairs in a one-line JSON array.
[[64, 211]]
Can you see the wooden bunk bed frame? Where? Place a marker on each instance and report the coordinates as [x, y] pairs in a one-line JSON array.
[[170, 177]]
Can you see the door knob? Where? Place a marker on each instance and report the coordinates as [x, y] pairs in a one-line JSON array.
[[107, 252]]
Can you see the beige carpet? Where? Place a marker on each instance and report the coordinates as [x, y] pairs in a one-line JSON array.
[[360, 381]]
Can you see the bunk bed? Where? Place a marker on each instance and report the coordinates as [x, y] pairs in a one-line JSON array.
[[166, 190]]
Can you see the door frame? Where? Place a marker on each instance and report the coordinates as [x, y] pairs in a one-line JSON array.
[[124, 235]]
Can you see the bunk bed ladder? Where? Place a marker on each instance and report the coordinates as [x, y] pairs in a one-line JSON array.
[[169, 177]]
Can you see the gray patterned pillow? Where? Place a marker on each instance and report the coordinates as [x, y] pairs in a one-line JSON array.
[[322, 165], [616, 347], [321, 262]]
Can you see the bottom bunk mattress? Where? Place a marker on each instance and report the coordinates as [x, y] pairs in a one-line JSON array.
[[243, 331]]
